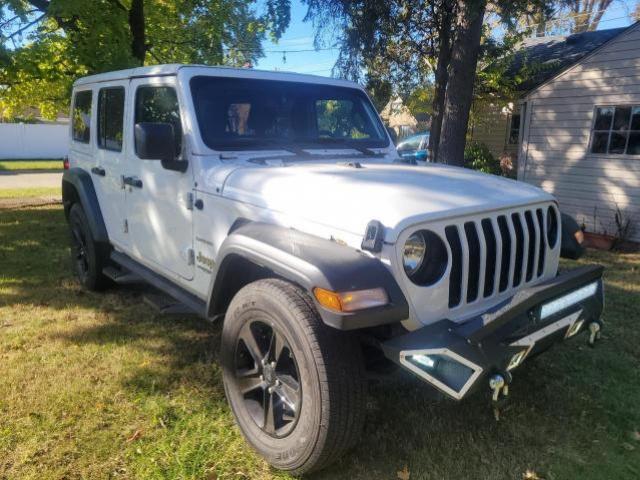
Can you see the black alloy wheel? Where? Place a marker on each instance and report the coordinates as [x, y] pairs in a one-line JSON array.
[[267, 377]]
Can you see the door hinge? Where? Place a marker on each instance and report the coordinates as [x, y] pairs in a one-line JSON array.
[[190, 199], [191, 256], [125, 226]]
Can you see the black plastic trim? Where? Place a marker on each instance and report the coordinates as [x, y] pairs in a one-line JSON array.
[[487, 340], [77, 185], [310, 262]]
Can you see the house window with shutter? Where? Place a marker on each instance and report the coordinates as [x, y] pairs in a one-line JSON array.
[[616, 130]]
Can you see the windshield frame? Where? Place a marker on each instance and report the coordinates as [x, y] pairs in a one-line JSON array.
[[263, 145]]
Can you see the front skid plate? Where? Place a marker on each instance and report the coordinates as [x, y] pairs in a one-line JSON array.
[[488, 343]]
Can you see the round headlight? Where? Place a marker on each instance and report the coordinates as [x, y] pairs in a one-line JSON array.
[[413, 253], [424, 257]]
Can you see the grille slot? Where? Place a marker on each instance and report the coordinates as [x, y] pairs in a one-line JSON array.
[[455, 278], [495, 254], [517, 226], [505, 235], [541, 245], [533, 240], [490, 269], [473, 242]]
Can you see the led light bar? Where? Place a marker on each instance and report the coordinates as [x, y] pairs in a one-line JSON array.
[[568, 300]]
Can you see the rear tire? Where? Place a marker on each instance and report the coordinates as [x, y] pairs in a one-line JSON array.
[[87, 256], [273, 340]]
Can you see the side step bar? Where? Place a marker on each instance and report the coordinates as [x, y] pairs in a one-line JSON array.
[[121, 277], [197, 305]]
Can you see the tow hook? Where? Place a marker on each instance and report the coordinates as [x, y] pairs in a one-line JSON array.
[[498, 385], [594, 333]]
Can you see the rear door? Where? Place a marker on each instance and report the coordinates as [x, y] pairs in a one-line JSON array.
[[159, 210], [110, 158]]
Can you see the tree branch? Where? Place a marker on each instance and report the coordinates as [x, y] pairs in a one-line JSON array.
[[27, 26]]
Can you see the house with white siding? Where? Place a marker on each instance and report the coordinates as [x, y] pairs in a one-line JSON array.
[[580, 135], [495, 120]]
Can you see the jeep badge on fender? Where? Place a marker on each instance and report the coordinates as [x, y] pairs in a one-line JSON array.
[[276, 203]]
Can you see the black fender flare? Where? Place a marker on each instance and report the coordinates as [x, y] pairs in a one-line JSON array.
[[309, 261], [77, 186]]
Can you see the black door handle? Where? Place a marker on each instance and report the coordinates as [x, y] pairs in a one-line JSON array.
[[98, 171], [132, 182]]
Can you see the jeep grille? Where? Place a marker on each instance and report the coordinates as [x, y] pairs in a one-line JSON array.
[[495, 254]]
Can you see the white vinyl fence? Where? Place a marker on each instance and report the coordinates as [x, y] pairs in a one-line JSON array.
[[37, 140]]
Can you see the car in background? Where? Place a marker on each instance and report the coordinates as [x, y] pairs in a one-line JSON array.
[[414, 149]]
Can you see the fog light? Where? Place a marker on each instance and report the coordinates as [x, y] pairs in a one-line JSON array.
[[424, 360], [568, 300], [449, 372], [517, 359], [573, 329]]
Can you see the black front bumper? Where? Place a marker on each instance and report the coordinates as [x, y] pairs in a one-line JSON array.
[[457, 357]]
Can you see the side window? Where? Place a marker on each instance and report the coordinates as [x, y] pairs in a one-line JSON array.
[[616, 130], [159, 105], [81, 121], [110, 118]]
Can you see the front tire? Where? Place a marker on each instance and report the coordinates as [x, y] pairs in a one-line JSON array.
[[296, 387], [87, 256]]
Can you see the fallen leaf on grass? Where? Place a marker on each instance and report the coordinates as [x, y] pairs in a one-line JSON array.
[[136, 435], [531, 475], [636, 436], [628, 446], [404, 473]]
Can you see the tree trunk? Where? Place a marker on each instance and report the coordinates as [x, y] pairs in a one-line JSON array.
[[462, 71], [137, 27], [441, 76]]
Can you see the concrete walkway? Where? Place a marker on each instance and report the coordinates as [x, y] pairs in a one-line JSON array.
[[29, 180]]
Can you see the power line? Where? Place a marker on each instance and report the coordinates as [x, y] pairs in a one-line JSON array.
[[574, 16]]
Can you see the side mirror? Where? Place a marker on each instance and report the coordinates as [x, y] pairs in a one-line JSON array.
[[156, 141]]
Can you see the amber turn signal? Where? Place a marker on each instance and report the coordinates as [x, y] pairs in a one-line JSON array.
[[351, 301]]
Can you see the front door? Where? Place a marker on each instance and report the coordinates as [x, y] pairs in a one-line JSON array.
[[159, 218], [110, 155]]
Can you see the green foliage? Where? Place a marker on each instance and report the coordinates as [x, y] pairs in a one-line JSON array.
[[45, 45], [420, 102], [477, 156]]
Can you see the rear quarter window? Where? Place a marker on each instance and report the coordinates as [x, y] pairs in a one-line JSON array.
[[81, 116]]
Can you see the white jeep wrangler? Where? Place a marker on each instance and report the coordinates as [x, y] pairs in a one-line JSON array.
[[274, 202]]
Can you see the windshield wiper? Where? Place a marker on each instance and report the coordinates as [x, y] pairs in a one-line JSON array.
[[350, 144]]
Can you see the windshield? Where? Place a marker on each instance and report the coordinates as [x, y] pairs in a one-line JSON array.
[[237, 113]]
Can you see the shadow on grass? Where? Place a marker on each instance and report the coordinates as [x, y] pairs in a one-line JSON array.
[[568, 416]]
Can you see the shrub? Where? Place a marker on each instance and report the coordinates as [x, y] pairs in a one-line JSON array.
[[478, 157]]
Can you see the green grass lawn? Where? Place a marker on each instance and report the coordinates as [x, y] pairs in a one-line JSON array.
[[11, 193], [13, 165], [98, 386]]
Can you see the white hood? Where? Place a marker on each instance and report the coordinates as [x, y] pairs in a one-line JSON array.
[[347, 198]]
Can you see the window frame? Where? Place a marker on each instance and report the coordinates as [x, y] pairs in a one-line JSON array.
[[511, 128], [124, 117], [610, 131], [91, 116], [134, 103]]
